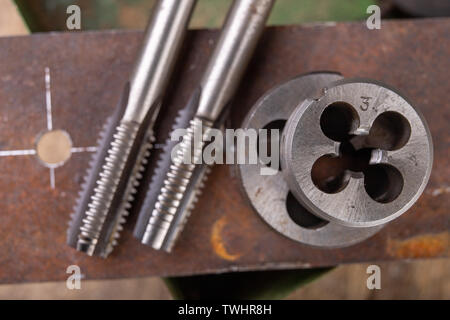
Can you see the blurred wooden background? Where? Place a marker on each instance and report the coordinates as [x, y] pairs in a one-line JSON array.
[[427, 279]]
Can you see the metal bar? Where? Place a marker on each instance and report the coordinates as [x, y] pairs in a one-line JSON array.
[[224, 234]]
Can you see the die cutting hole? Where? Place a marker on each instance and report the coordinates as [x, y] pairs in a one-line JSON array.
[[389, 131], [274, 125], [53, 148], [329, 174], [301, 216], [338, 120], [383, 182]]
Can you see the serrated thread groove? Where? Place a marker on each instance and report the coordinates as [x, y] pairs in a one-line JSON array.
[[174, 189]]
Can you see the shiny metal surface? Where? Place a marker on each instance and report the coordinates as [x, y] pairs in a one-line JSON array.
[[115, 171], [179, 194], [380, 139], [175, 187], [269, 194]]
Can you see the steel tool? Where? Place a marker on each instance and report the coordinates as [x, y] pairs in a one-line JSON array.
[[269, 194], [177, 183], [127, 136], [354, 156], [379, 143]]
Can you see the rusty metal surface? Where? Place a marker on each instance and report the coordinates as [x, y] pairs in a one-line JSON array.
[[224, 234]]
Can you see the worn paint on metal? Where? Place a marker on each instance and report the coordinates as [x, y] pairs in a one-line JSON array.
[[217, 242]]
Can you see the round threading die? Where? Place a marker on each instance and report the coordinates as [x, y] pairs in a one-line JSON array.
[[269, 194], [375, 146]]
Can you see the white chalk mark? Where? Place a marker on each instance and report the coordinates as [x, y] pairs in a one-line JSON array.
[[14, 153], [83, 149], [48, 99], [52, 178]]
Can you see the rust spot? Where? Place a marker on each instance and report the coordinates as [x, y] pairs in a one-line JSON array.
[[218, 243], [424, 246]]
